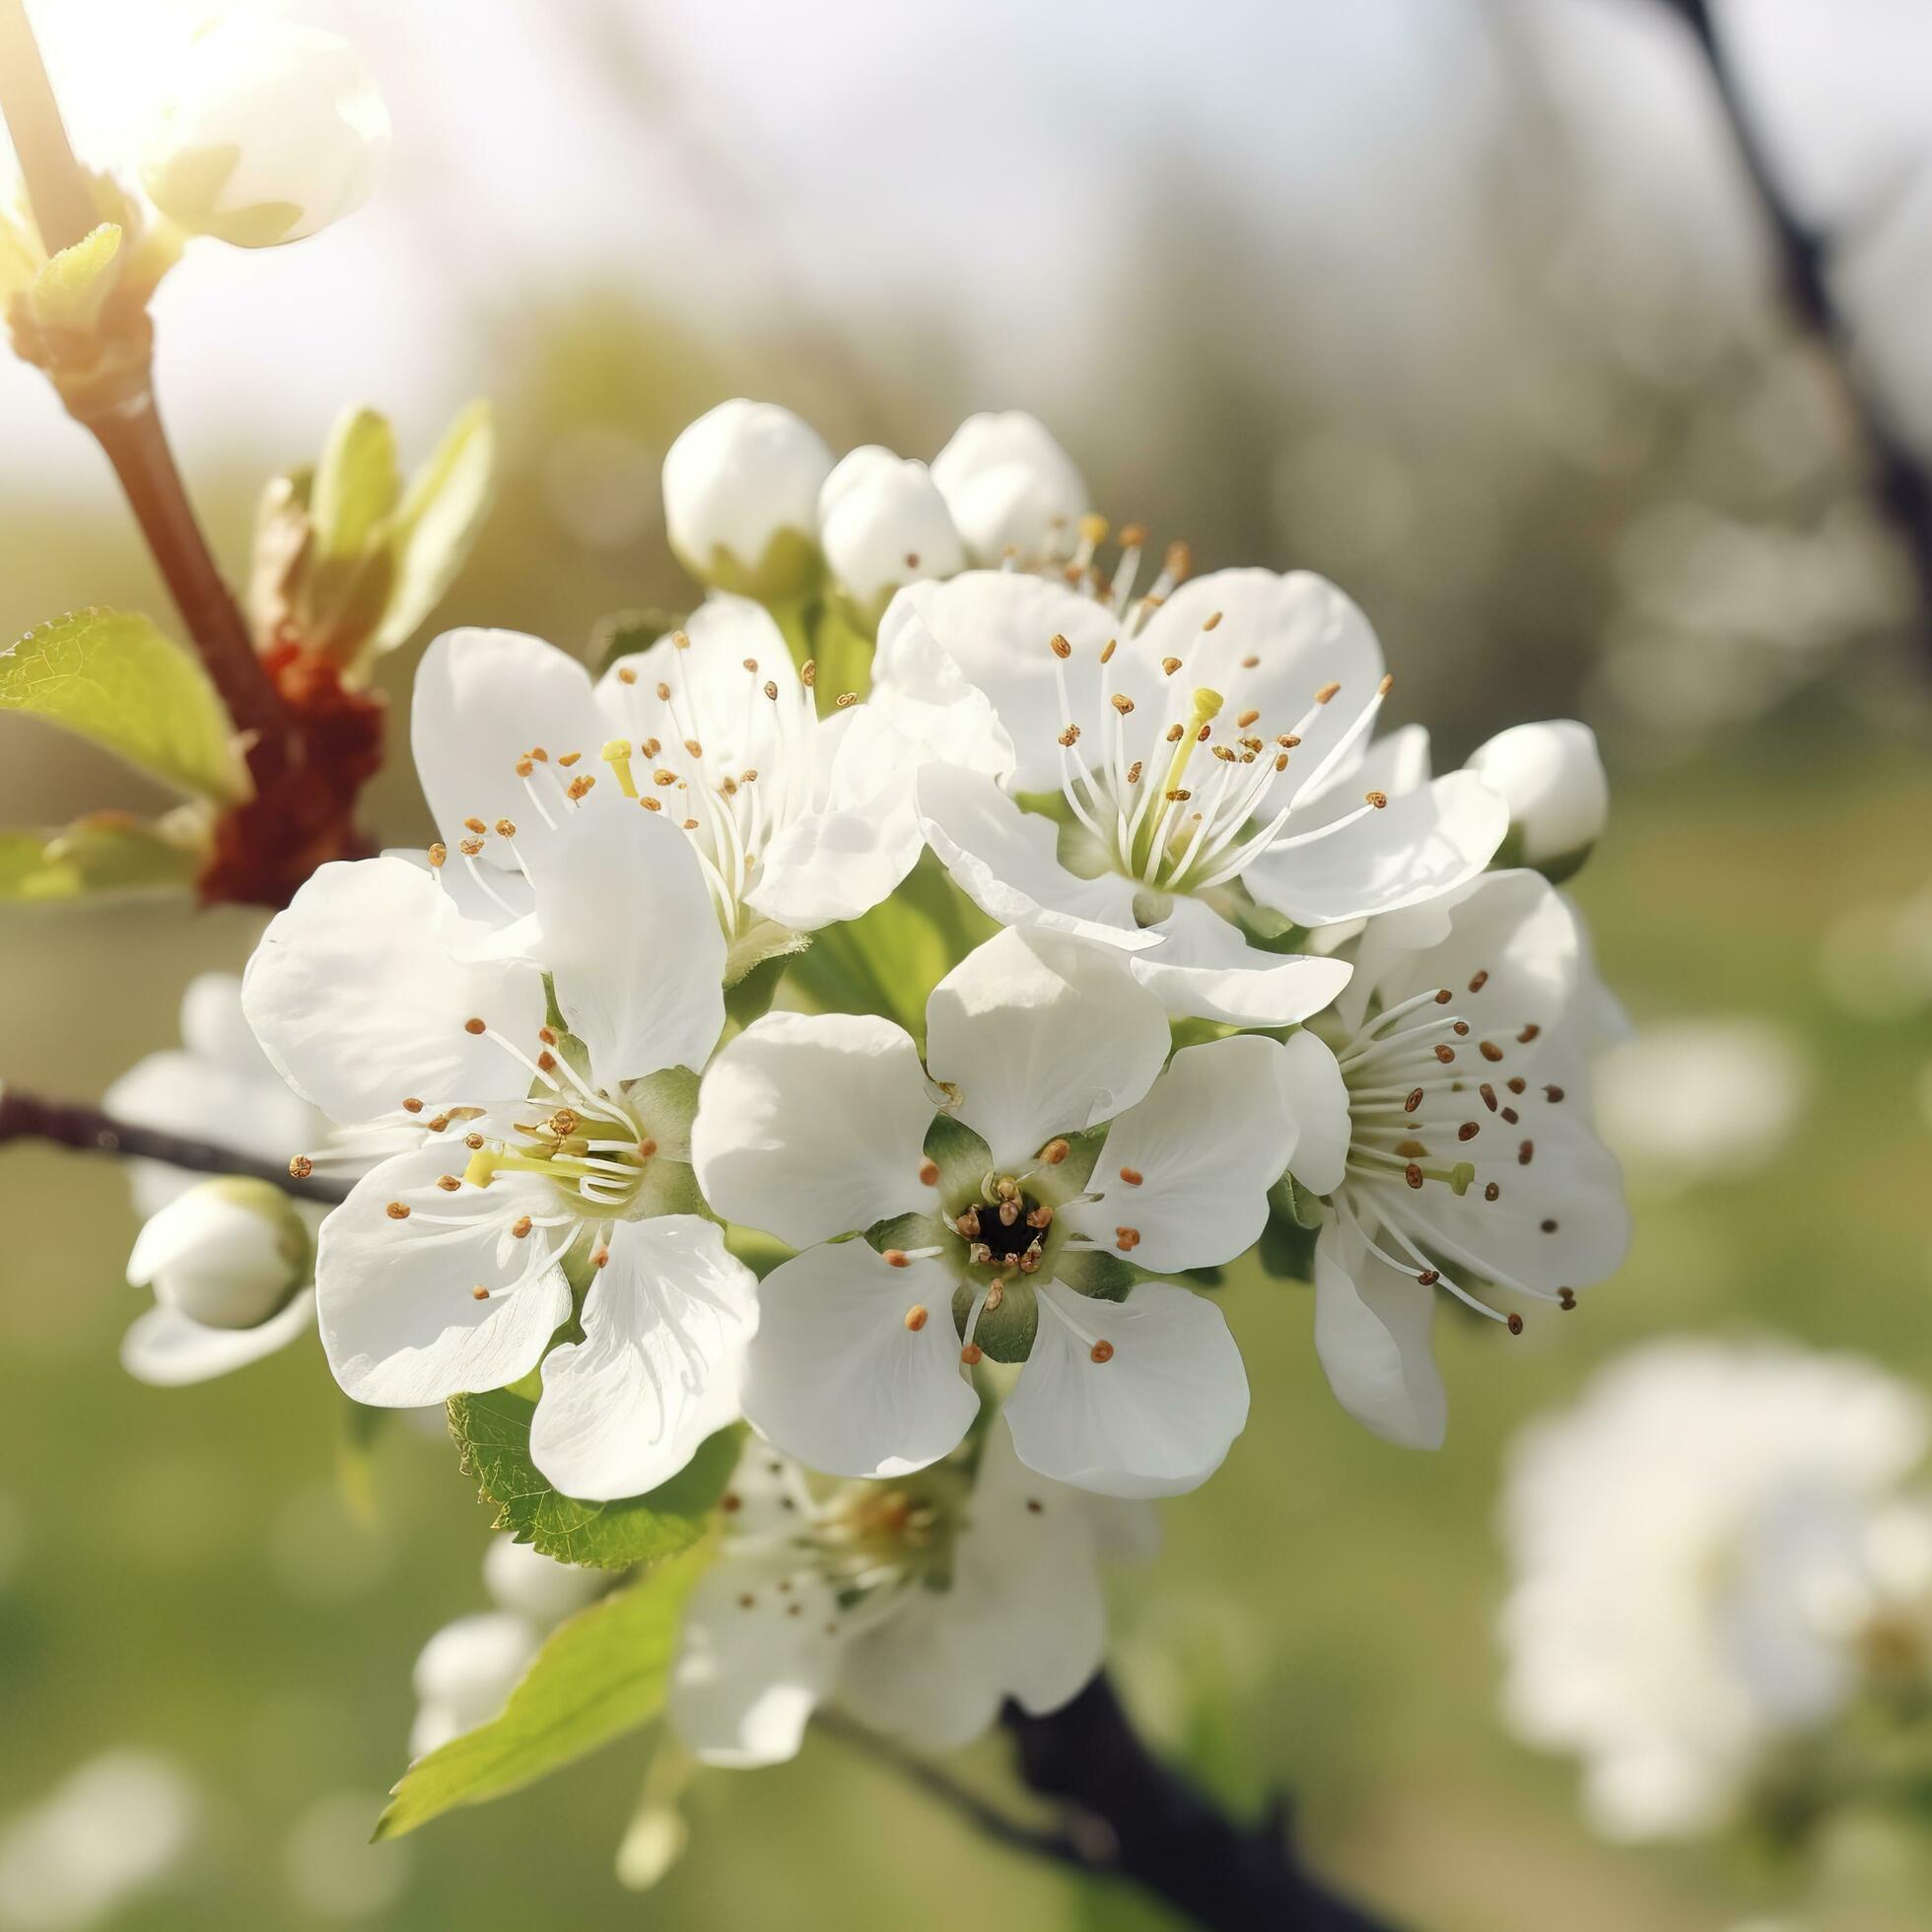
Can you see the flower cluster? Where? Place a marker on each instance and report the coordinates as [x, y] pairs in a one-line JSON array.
[[1136, 948], [1719, 1554]]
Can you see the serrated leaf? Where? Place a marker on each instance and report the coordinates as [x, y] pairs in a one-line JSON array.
[[493, 1433], [113, 677], [106, 852], [71, 286], [602, 1674], [442, 511]]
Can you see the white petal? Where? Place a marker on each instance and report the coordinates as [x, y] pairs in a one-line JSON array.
[[215, 1028], [837, 1378], [483, 699], [997, 626], [1041, 1036], [1205, 969], [1396, 764], [927, 1674], [1155, 1418], [811, 1125], [749, 1673], [1003, 859], [523, 1580], [1315, 1097], [1421, 844], [358, 996], [168, 1350], [468, 1670], [632, 942], [1303, 632], [1372, 1328], [922, 693], [660, 1366], [1206, 1144], [399, 1317]]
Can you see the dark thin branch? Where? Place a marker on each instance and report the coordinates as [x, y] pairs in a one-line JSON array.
[[130, 434], [1164, 1833], [1901, 482], [89, 1131]]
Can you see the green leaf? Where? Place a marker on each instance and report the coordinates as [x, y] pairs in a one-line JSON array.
[[493, 1433], [602, 1674], [112, 676], [441, 512], [106, 852], [1286, 1249], [71, 286], [357, 483]]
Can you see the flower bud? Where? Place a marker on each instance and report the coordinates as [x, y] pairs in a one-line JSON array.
[[882, 524], [228, 1253], [273, 131], [1010, 487], [528, 1584], [741, 491], [465, 1673], [1552, 779]]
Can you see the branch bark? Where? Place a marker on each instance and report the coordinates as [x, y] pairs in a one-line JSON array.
[[131, 436], [88, 1130], [1901, 481]]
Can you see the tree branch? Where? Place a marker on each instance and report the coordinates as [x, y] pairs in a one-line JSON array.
[[131, 436], [89, 1130], [1165, 1834], [1901, 483]]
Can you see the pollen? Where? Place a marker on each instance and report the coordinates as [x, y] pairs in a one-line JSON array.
[[1170, 665], [1212, 622], [471, 848], [301, 1167], [397, 1211], [663, 693], [1478, 981], [1445, 1055], [1429, 1276], [447, 1183], [1413, 1101], [1058, 645], [1134, 773], [1249, 662], [474, 1025], [524, 766], [601, 1258], [505, 829], [570, 758], [1126, 1239], [1132, 1176], [474, 825], [1489, 1050], [521, 1226], [915, 1319], [473, 1141], [1553, 1093], [1387, 685], [1122, 702], [439, 853], [579, 786], [771, 689], [1492, 1191], [479, 1292], [1567, 1299], [1379, 800], [1054, 1153], [412, 1105], [1468, 1131], [1515, 1324], [1175, 733], [928, 1173], [845, 701], [694, 748], [646, 1148], [681, 641], [808, 673], [1246, 718], [1326, 693], [1412, 1175], [651, 804], [971, 1354], [541, 756], [1108, 649], [896, 1258], [1528, 1034], [626, 675], [1101, 1352], [1070, 737], [997, 1293], [547, 1061], [1178, 795]]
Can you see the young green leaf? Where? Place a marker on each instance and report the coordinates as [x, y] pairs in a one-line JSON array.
[[112, 676], [442, 511], [71, 287], [357, 483], [106, 852], [602, 1674], [493, 1433]]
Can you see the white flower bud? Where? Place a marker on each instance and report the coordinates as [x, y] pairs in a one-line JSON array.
[[530, 1584], [741, 491], [1553, 780], [469, 1669], [1010, 487], [273, 130], [882, 524], [228, 1253]]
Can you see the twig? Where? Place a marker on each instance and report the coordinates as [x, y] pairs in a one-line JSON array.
[[131, 435], [1166, 1834], [1901, 482], [88, 1130]]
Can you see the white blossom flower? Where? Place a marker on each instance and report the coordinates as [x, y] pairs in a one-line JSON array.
[[918, 1605], [1691, 1101], [229, 1254], [394, 991], [795, 820], [1209, 745], [1552, 778], [1011, 490], [216, 1086], [1711, 1554], [468, 1670], [1447, 1137], [273, 130], [113, 1829], [883, 524], [1001, 1229], [741, 489]]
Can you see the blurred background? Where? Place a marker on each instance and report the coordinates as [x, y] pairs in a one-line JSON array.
[[1468, 306]]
